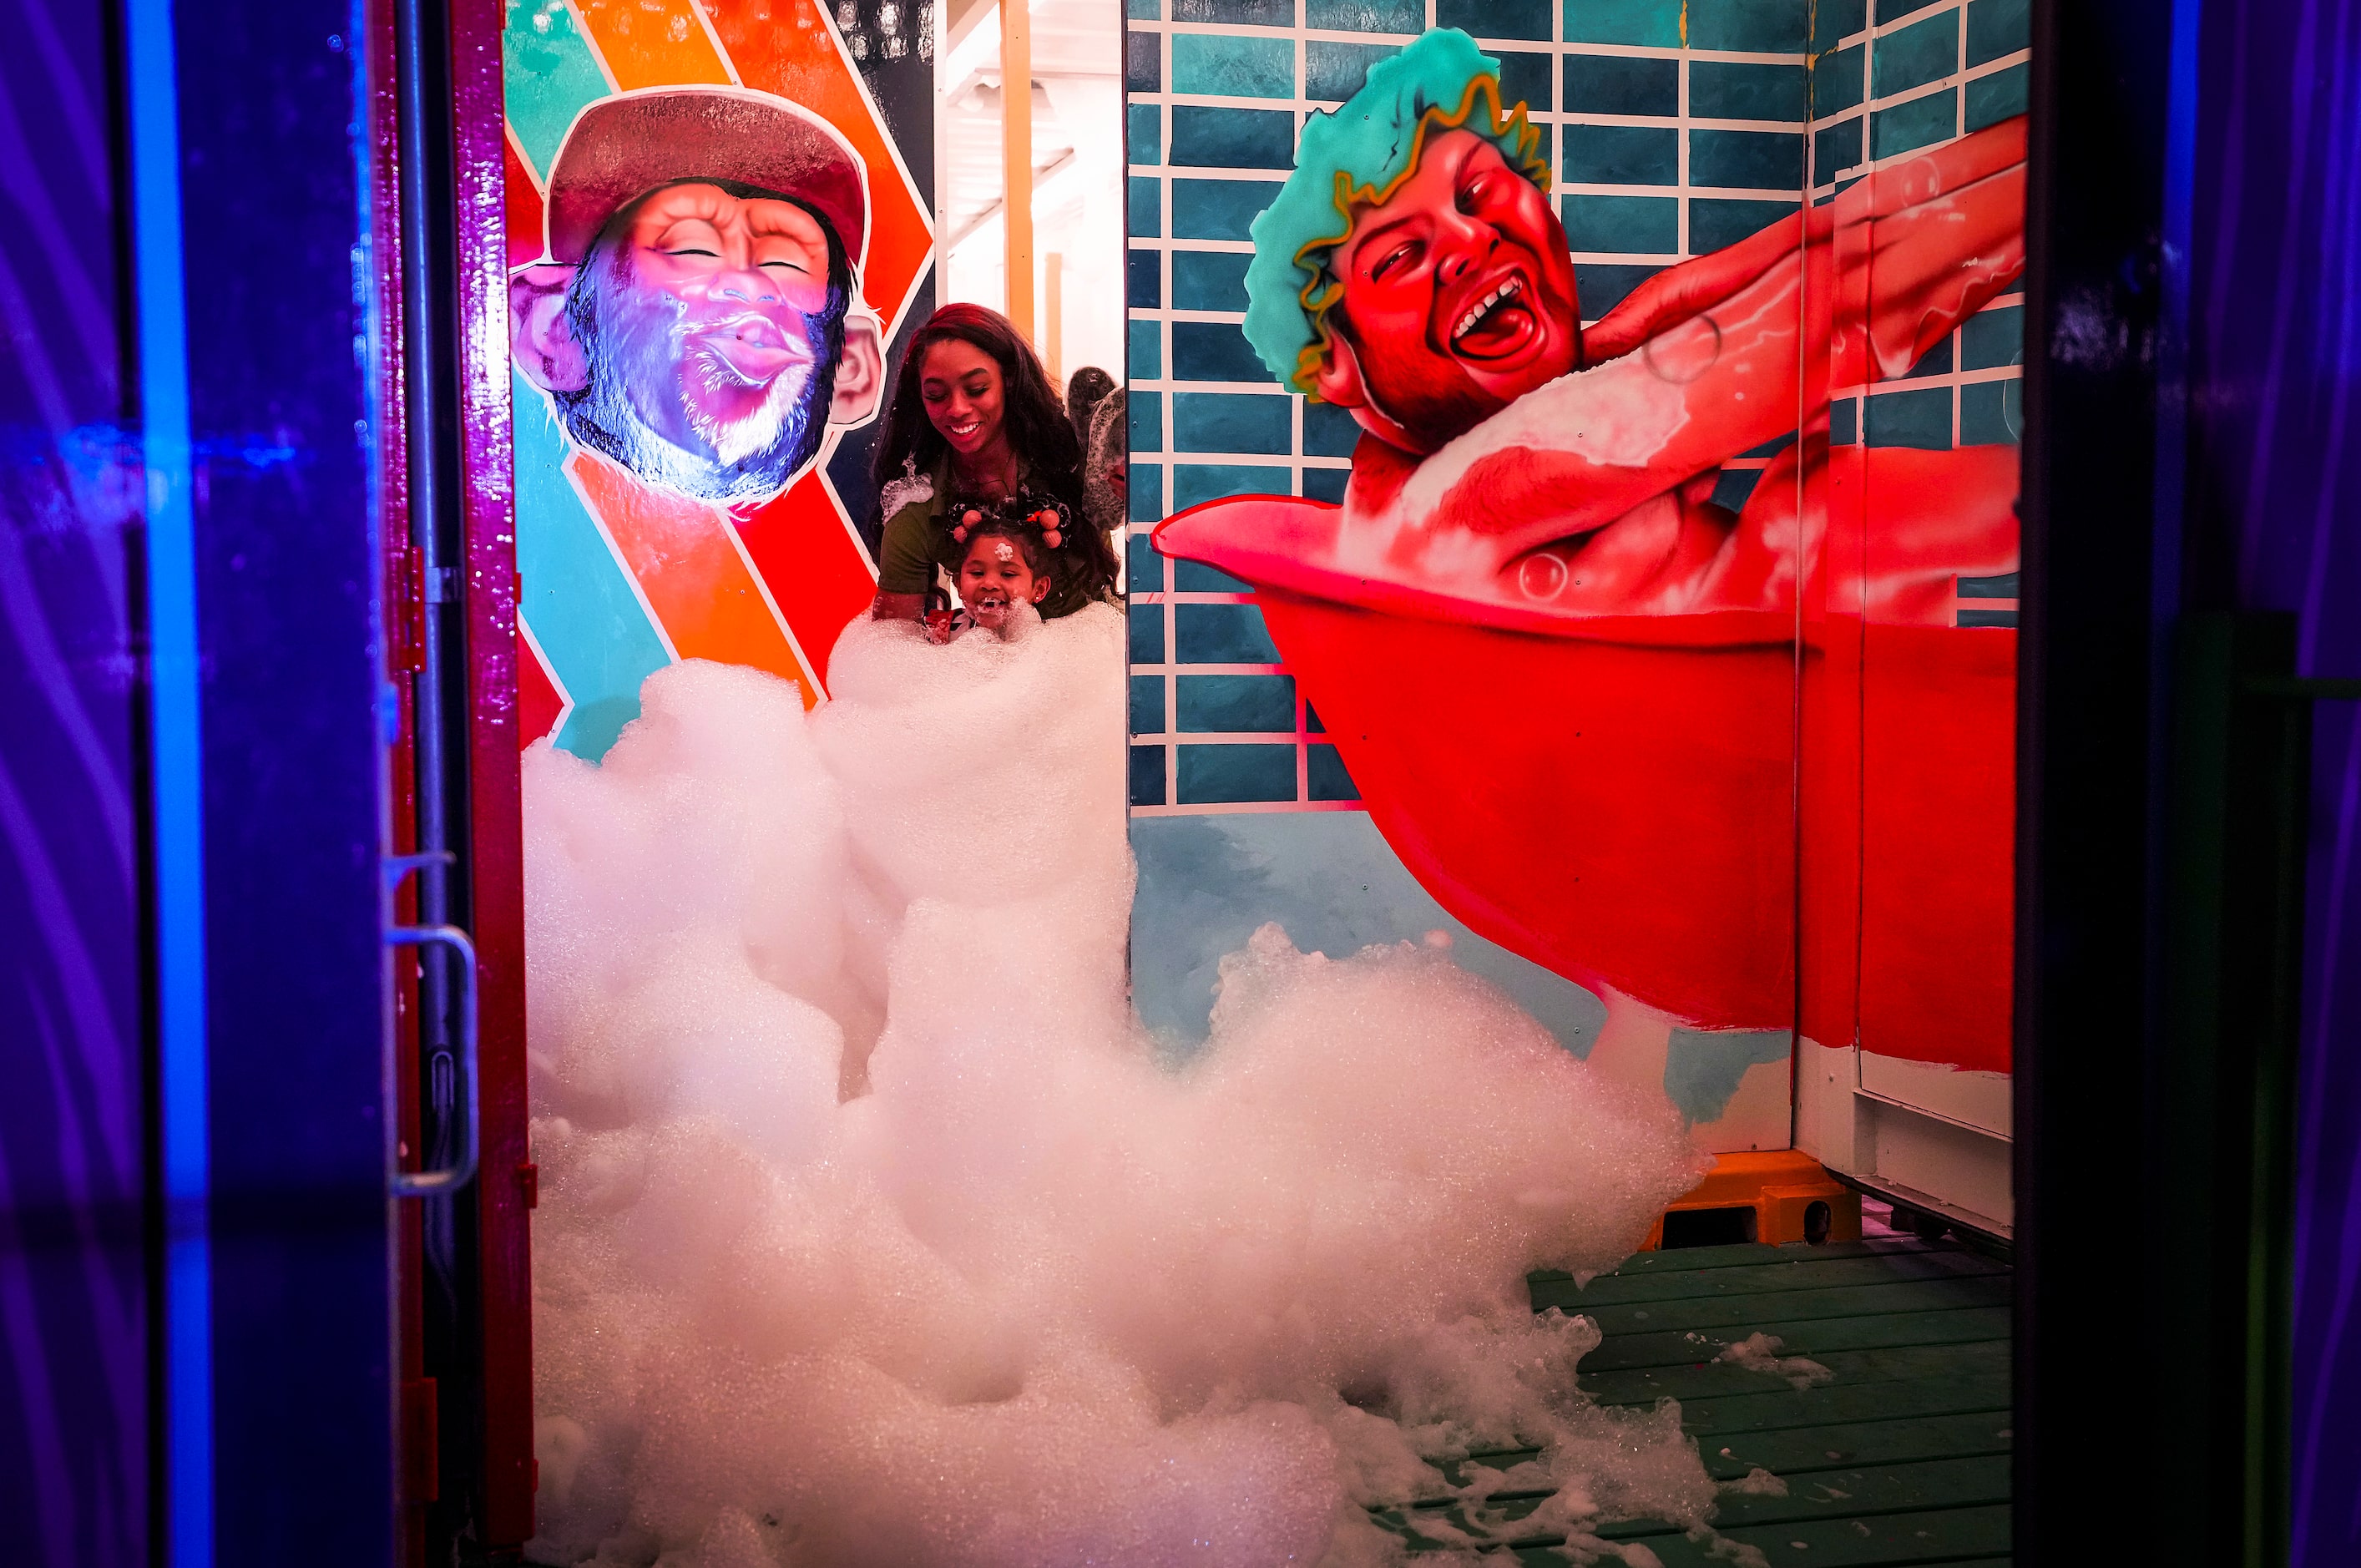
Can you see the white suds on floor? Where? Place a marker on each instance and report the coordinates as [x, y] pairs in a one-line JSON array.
[[1759, 1352], [874, 1232]]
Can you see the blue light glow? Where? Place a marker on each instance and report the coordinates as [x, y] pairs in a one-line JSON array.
[[178, 782]]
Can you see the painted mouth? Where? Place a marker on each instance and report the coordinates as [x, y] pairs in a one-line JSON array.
[[752, 347], [1500, 324]]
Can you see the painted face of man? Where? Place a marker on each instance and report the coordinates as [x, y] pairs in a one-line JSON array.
[[710, 326], [748, 278], [1459, 298]]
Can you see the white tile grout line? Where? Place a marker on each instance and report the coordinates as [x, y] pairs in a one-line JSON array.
[[1236, 736], [1681, 104], [1247, 807], [1958, 88]]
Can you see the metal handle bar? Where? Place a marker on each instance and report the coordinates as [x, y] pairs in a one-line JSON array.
[[435, 1183], [397, 867]]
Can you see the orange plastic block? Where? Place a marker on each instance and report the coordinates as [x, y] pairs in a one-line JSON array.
[[1783, 1189]]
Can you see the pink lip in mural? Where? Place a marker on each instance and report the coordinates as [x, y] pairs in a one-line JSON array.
[[752, 344]]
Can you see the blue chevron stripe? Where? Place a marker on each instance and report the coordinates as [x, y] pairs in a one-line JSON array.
[[584, 611], [549, 73]]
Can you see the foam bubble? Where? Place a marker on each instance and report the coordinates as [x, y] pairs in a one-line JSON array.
[[873, 1230]]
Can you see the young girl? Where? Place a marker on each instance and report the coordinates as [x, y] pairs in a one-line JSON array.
[[975, 424], [1006, 572]]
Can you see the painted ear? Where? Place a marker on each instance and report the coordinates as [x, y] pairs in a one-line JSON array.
[[540, 335], [1338, 381], [860, 372]]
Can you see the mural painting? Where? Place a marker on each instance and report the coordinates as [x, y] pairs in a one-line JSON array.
[[1656, 733], [695, 323], [714, 234]]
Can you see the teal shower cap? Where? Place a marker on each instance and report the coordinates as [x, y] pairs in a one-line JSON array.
[[1359, 155]]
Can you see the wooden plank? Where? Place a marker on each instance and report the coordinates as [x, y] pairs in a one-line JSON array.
[[1787, 1274], [1741, 1255], [1846, 1302], [1550, 1557], [1810, 1338], [1864, 1492], [1803, 1451], [1853, 1368], [1944, 1535], [1903, 1458], [1842, 1402], [1684, 1260]]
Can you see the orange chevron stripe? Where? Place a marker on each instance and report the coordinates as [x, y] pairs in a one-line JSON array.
[[787, 47], [688, 563], [819, 574], [652, 43]]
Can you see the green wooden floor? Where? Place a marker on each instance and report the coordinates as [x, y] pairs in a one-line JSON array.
[[1902, 1457]]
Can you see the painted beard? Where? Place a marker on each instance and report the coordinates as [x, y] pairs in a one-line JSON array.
[[639, 352]]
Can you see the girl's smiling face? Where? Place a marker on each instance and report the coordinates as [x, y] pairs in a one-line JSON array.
[[994, 578], [962, 385]]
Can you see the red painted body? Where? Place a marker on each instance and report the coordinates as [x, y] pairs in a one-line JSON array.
[[1661, 748], [1617, 798]]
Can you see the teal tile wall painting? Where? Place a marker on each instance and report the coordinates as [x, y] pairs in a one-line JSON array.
[[1234, 704], [1672, 130], [1194, 482], [1920, 53], [1215, 66], [1648, 23], [1246, 773]]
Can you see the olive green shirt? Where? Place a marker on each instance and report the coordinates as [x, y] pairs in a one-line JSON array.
[[917, 539]]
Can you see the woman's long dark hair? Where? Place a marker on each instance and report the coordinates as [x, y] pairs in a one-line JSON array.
[[1038, 432]]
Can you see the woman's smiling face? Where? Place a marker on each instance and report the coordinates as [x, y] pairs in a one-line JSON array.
[[965, 399]]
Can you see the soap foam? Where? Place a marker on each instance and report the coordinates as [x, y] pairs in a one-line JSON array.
[[873, 1231]]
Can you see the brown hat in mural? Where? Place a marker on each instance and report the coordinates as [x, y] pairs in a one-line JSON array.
[[623, 147]]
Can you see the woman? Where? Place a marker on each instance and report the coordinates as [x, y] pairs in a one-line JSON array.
[[974, 418]]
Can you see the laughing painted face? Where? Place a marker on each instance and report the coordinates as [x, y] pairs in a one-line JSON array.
[[1458, 298], [705, 343]]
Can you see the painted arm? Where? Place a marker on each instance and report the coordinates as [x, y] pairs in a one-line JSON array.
[[1682, 291], [1587, 448], [1904, 280], [1688, 288], [1933, 239]]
